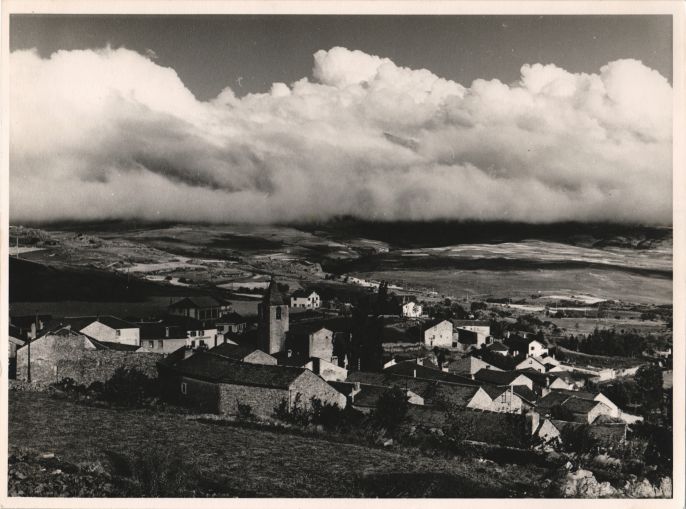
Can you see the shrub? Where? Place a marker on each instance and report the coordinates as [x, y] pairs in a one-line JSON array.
[[578, 439], [152, 472], [245, 412], [129, 387], [333, 417]]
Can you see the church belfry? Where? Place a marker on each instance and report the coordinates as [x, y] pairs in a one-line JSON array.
[[272, 320]]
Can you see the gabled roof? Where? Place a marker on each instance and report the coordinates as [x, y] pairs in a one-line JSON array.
[[302, 293], [81, 322], [525, 393], [494, 391], [109, 345], [580, 406], [369, 395], [231, 317], [160, 330], [471, 323], [497, 346], [551, 399], [219, 369], [234, 352], [452, 394], [410, 369], [272, 297], [432, 323], [294, 359], [198, 301], [496, 377], [345, 388]]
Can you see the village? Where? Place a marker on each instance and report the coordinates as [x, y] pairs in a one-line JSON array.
[[415, 367]]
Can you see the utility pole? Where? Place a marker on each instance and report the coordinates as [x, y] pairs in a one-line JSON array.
[[32, 336]]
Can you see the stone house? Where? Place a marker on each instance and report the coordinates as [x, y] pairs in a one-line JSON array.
[[438, 333], [104, 328], [216, 384], [481, 328], [468, 366], [532, 363], [325, 369], [65, 353]]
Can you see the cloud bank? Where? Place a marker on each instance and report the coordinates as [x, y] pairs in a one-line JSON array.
[[109, 133]]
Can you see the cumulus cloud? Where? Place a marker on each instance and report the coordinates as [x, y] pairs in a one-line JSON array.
[[109, 133]]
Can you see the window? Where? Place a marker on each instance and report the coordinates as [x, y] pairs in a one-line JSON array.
[[193, 344], [151, 344], [117, 333], [160, 343], [184, 388], [278, 313]]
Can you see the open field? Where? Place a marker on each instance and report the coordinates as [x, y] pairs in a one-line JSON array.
[[247, 462]]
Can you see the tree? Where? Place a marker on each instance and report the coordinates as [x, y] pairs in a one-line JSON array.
[[649, 380], [578, 439], [391, 408]]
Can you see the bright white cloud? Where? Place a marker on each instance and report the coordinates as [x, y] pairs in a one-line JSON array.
[[111, 134]]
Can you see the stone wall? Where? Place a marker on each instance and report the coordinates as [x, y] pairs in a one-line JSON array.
[[262, 400], [311, 386], [201, 395], [54, 358]]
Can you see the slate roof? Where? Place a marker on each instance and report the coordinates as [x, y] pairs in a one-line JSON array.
[[579, 406], [458, 395], [231, 317], [551, 399], [233, 352], [158, 330], [301, 293], [368, 396], [432, 323], [498, 346], [345, 388], [525, 393], [471, 323], [296, 359], [496, 377], [198, 301], [109, 345], [218, 369], [467, 337], [272, 297], [408, 369], [81, 322]]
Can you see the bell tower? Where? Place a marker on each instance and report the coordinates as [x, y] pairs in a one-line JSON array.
[[272, 320]]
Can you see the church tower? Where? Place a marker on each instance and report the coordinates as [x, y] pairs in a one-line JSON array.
[[272, 320]]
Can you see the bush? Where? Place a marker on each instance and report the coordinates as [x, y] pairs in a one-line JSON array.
[[245, 412], [152, 472], [334, 417], [578, 439], [297, 413], [129, 387]]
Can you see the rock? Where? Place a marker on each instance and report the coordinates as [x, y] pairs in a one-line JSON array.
[[47, 455], [388, 442]]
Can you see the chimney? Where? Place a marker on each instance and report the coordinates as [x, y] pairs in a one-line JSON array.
[[289, 353], [166, 332], [414, 373]]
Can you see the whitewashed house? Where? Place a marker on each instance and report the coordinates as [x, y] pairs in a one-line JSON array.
[[107, 328], [304, 300], [412, 310]]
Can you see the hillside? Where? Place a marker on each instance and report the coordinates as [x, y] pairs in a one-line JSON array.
[[238, 461]]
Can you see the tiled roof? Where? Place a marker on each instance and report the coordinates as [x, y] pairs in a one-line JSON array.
[[301, 294], [369, 395], [458, 395], [497, 346], [215, 368], [109, 345]]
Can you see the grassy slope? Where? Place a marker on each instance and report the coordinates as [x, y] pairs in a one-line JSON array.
[[246, 462]]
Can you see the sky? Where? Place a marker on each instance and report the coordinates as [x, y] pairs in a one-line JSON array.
[[297, 118]]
